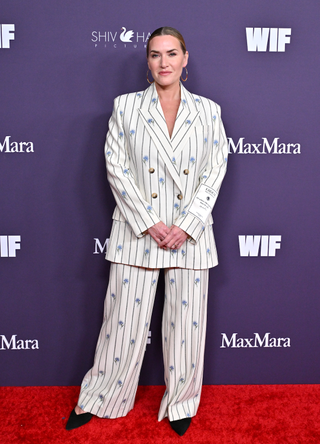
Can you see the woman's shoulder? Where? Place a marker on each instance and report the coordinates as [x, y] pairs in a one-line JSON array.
[[203, 102], [130, 97]]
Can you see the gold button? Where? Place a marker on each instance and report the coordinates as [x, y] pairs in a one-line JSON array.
[[151, 170], [179, 196], [186, 172], [154, 195]]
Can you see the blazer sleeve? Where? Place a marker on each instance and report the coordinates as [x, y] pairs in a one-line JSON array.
[[194, 217], [137, 212]]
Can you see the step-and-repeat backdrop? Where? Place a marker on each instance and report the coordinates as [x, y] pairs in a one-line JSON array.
[[61, 65]]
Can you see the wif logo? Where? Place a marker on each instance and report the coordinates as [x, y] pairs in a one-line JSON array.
[[6, 34], [253, 245], [9, 245], [257, 39]]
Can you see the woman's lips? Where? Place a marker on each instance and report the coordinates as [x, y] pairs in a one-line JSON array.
[[164, 73]]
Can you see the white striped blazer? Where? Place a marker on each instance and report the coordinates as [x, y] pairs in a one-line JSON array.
[[157, 178]]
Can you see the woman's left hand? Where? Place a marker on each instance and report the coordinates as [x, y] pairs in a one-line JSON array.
[[174, 239]]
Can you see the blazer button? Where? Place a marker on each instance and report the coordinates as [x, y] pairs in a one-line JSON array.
[[180, 196], [151, 170], [154, 195], [186, 172]]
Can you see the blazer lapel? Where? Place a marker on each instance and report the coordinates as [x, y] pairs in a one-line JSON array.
[[185, 120], [155, 123]]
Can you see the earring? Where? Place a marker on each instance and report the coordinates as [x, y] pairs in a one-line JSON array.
[[148, 78], [184, 80]]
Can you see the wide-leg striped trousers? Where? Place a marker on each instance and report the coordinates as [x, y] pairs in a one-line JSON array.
[[108, 390]]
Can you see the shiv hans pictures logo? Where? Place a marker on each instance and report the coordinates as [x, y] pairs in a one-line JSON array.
[[9, 245], [18, 344], [120, 39], [6, 35], [255, 342], [263, 148], [252, 245], [257, 39], [15, 147]]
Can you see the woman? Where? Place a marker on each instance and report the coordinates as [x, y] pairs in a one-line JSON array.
[[166, 155]]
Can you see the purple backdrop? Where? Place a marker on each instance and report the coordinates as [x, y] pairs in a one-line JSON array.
[[62, 63]]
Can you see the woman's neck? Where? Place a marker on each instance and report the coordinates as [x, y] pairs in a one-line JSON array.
[[169, 93]]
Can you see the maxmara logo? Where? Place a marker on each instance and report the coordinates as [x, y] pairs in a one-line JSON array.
[[265, 147], [120, 39], [14, 343], [9, 245], [258, 39], [10, 146], [6, 35], [259, 245], [100, 247], [255, 341]]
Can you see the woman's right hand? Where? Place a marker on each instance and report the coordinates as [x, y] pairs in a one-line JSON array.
[[158, 232]]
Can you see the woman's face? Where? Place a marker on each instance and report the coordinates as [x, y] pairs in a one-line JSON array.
[[166, 60]]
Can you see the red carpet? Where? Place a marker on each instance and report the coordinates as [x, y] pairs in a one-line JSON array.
[[260, 414]]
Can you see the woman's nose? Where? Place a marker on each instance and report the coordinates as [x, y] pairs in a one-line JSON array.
[[164, 61]]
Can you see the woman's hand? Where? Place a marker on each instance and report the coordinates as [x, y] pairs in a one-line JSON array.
[[159, 232], [174, 239]]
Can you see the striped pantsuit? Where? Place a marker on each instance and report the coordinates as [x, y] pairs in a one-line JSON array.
[[108, 390]]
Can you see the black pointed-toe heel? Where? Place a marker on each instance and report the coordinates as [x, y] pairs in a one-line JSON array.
[[76, 421], [181, 425]]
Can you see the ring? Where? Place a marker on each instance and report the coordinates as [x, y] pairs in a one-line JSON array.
[[173, 246]]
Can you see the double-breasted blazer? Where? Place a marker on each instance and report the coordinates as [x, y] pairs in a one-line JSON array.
[[157, 178]]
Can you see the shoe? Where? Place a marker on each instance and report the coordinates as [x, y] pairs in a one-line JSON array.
[[181, 425], [76, 421]]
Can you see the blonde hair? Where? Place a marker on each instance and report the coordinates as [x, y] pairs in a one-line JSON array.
[[167, 30]]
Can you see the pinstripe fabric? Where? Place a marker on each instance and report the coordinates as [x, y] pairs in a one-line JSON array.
[[143, 161], [108, 390], [183, 341]]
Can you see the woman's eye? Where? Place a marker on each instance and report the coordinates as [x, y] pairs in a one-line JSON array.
[[173, 53]]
